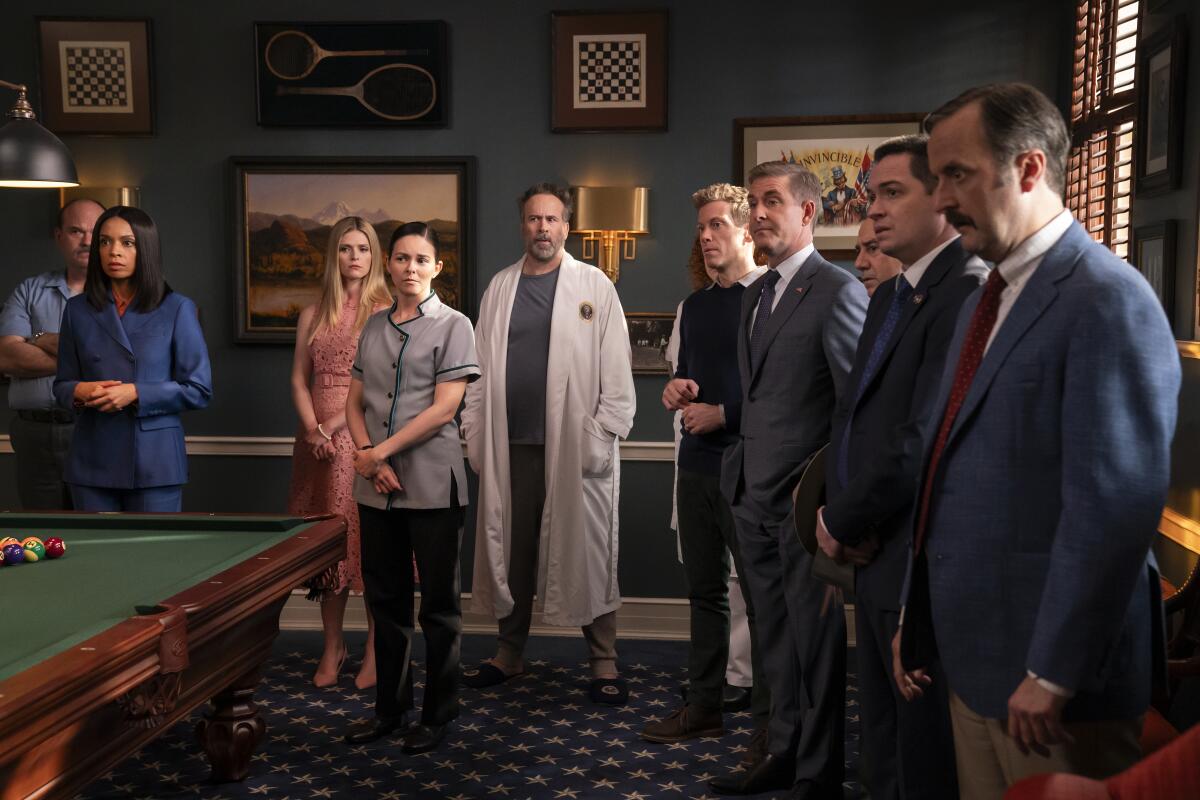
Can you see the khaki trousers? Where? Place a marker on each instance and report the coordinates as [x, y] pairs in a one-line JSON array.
[[989, 762]]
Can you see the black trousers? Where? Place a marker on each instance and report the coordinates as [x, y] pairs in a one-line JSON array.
[[907, 747], [390, 540], [41, 450], [706, 533]]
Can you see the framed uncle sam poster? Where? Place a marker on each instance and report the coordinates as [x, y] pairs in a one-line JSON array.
[[96, 75], [837, 150], [608, 71]]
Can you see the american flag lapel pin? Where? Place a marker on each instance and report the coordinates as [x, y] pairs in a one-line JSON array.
[[799, 290]]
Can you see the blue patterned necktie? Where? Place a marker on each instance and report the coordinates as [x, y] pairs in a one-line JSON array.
[[765, 301], [904, 291]]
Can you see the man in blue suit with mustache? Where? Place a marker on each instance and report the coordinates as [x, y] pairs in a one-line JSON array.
[[1045, 474]]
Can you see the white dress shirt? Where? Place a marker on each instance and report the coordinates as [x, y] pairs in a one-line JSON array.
[[1018, 267], [787, 269], [914, 272]]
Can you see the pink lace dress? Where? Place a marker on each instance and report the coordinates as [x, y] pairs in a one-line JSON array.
[[321, 487]]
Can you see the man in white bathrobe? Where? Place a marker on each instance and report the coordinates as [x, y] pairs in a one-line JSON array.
[[542, 427]]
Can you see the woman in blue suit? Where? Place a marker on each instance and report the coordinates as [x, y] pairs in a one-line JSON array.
[[131, 357]]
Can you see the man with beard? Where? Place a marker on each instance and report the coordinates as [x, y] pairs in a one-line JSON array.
[[29, 323], [542, 427]]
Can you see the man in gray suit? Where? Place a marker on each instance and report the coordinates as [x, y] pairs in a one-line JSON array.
[[799, 327], [1042, 489]]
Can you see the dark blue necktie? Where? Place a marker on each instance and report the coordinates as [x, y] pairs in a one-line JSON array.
[[765, 301], [904, 291]]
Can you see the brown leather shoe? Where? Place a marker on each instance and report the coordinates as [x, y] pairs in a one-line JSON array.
[[756, 751], [684, 723]]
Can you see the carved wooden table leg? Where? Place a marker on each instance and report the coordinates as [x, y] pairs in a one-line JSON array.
[[231, 730]]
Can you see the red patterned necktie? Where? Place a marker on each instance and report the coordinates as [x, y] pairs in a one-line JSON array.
[[982, 322]]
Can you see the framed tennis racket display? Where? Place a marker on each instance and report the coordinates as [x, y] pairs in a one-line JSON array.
[[335, 74]]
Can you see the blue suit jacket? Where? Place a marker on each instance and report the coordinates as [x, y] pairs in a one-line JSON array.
[[1050, 491], [163, 353]]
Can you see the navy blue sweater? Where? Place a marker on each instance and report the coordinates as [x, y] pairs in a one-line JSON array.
[[708, 334]]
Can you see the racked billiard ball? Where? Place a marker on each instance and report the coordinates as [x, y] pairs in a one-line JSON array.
[[7, 540], [34, 549], [13, 553], [55, 547]]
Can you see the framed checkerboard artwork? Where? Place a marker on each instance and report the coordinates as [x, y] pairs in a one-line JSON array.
[[608, 71], [97, 76]]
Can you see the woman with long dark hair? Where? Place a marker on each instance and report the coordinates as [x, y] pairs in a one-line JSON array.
[[408, 380], [131, 358]]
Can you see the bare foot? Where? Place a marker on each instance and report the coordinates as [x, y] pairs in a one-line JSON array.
[[365, 678], [329, 667]]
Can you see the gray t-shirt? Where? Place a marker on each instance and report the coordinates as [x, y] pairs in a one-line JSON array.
[[528, 355]]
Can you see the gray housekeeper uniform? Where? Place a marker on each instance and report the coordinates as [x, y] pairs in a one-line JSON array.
[[400, 367]]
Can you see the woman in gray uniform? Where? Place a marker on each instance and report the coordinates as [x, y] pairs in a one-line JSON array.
[[408, 379]]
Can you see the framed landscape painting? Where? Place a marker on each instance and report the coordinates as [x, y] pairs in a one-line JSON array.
[[837, 149], [284, 209]]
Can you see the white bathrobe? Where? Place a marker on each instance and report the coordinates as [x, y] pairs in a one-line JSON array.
[[589, 404]]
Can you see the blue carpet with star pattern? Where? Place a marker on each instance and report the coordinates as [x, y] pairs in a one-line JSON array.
[[536, 736]]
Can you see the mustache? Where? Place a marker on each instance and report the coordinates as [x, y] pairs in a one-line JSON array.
[[958, 219]]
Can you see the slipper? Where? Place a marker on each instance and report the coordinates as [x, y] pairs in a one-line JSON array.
[[609, 691], [485, 675]]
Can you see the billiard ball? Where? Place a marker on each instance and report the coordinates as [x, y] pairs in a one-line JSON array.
[[13, 553], [7, 540], [55, 547], [34, 549]]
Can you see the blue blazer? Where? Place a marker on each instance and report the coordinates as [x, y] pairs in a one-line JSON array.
[[1050, 491], [163, 353]]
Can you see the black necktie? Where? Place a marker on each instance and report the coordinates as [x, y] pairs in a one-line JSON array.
[[765, 300]]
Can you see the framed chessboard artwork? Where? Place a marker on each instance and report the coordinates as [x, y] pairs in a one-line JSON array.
[[353, 74], [608, 71], [97, 76]]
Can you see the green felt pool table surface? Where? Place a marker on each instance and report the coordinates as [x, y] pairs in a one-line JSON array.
[[113, 565], [146, 617]]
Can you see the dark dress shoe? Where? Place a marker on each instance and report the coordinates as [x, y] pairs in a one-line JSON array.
[[423, 738], [735, 698], [771, 774], [374, 729], [808, 790]]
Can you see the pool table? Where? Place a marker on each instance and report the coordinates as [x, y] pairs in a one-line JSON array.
[[145, 618]]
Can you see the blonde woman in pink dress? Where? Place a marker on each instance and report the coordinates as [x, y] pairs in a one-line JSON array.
[[323, 458]]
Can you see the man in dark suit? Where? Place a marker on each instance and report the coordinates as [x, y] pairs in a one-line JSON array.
[[799, 326], [876, 455], [1043, 484]]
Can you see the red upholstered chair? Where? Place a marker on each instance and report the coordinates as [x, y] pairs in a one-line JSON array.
[[1172, 772]]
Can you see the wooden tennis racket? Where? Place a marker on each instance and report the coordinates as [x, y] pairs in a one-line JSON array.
[[394, 91], [292, 55]]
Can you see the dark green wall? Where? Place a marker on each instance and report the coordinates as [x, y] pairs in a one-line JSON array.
[[726, 60]]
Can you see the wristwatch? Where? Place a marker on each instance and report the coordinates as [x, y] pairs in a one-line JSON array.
[[34, 338]]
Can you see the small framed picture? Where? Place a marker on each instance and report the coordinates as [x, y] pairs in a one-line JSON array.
[[649, 334], [608, 71], [837, 149], [1153, 251], [97, 75], [1159, 133]]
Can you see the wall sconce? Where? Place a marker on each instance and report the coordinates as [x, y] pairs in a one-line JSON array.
[[32, 157], [610, 215], [106, 196]]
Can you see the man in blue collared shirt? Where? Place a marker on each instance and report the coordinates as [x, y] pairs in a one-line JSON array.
[[29, 323]]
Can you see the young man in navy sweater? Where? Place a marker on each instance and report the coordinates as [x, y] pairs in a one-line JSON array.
[[707, 389]]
